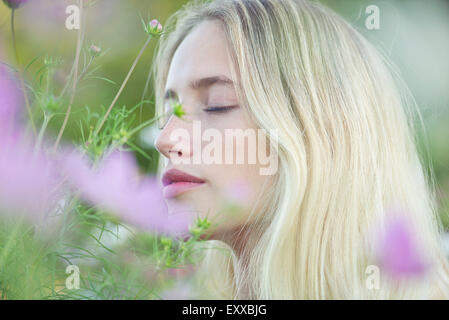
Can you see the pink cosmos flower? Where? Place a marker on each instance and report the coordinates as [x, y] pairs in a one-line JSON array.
[[398, 252], [116, 186], [10, 102], [28, 183]]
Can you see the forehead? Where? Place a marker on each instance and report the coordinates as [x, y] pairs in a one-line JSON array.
[[203, 53]]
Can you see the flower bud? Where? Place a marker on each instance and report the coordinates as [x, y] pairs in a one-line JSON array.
[[94, 50], [154, 27], [14, 4]]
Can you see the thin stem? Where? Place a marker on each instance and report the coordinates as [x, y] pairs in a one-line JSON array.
[[123, 85], [83, 73], [68, 81], [144, 124], [47, 85], [41, 132], [75, 81], [22, 82], [10, 243], [147, 82]]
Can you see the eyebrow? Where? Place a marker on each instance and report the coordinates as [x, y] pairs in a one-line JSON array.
[[201, 83]]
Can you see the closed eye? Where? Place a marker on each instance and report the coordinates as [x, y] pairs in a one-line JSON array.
[[219, 109]]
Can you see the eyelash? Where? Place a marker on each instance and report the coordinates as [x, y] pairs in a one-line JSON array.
[[213, 109], [219, 109]]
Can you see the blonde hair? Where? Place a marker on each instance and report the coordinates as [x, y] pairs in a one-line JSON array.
[[347, 152]]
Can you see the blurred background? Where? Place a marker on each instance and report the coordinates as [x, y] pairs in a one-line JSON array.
[[414, 34]]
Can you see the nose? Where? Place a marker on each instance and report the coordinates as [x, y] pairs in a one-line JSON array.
[[174, 139]]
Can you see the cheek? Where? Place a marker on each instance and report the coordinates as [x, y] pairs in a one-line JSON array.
[[237, 183], [236, 186]]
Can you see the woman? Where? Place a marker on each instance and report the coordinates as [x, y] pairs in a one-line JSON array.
[[341, 132]]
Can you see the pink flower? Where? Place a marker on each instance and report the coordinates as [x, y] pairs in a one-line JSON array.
[[10, 102], [154, 24], [154, 27], [398, 252], [28, 182], [116, 186]]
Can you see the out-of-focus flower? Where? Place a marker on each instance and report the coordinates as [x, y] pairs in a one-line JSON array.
[[14, 4], [398, 252], [28, 182], [116, 186], [10, 101]]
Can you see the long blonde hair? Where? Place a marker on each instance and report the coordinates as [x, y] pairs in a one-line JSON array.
[[347, 151]]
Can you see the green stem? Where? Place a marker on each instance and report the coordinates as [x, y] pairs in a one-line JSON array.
[[22, 82], [9, 243], [75, 81], [146, 123], [122, 86], [147, 82], [142, 125], [41, 132], [68, 81], [47, 85], [83, 73]]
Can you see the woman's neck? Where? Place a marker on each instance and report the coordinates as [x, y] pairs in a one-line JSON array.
[[242, 240]]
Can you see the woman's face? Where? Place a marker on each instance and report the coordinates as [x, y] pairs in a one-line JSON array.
[[196, 174]]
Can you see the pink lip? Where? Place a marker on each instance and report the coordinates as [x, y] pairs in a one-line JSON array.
[[177, 188], [177, 182]]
